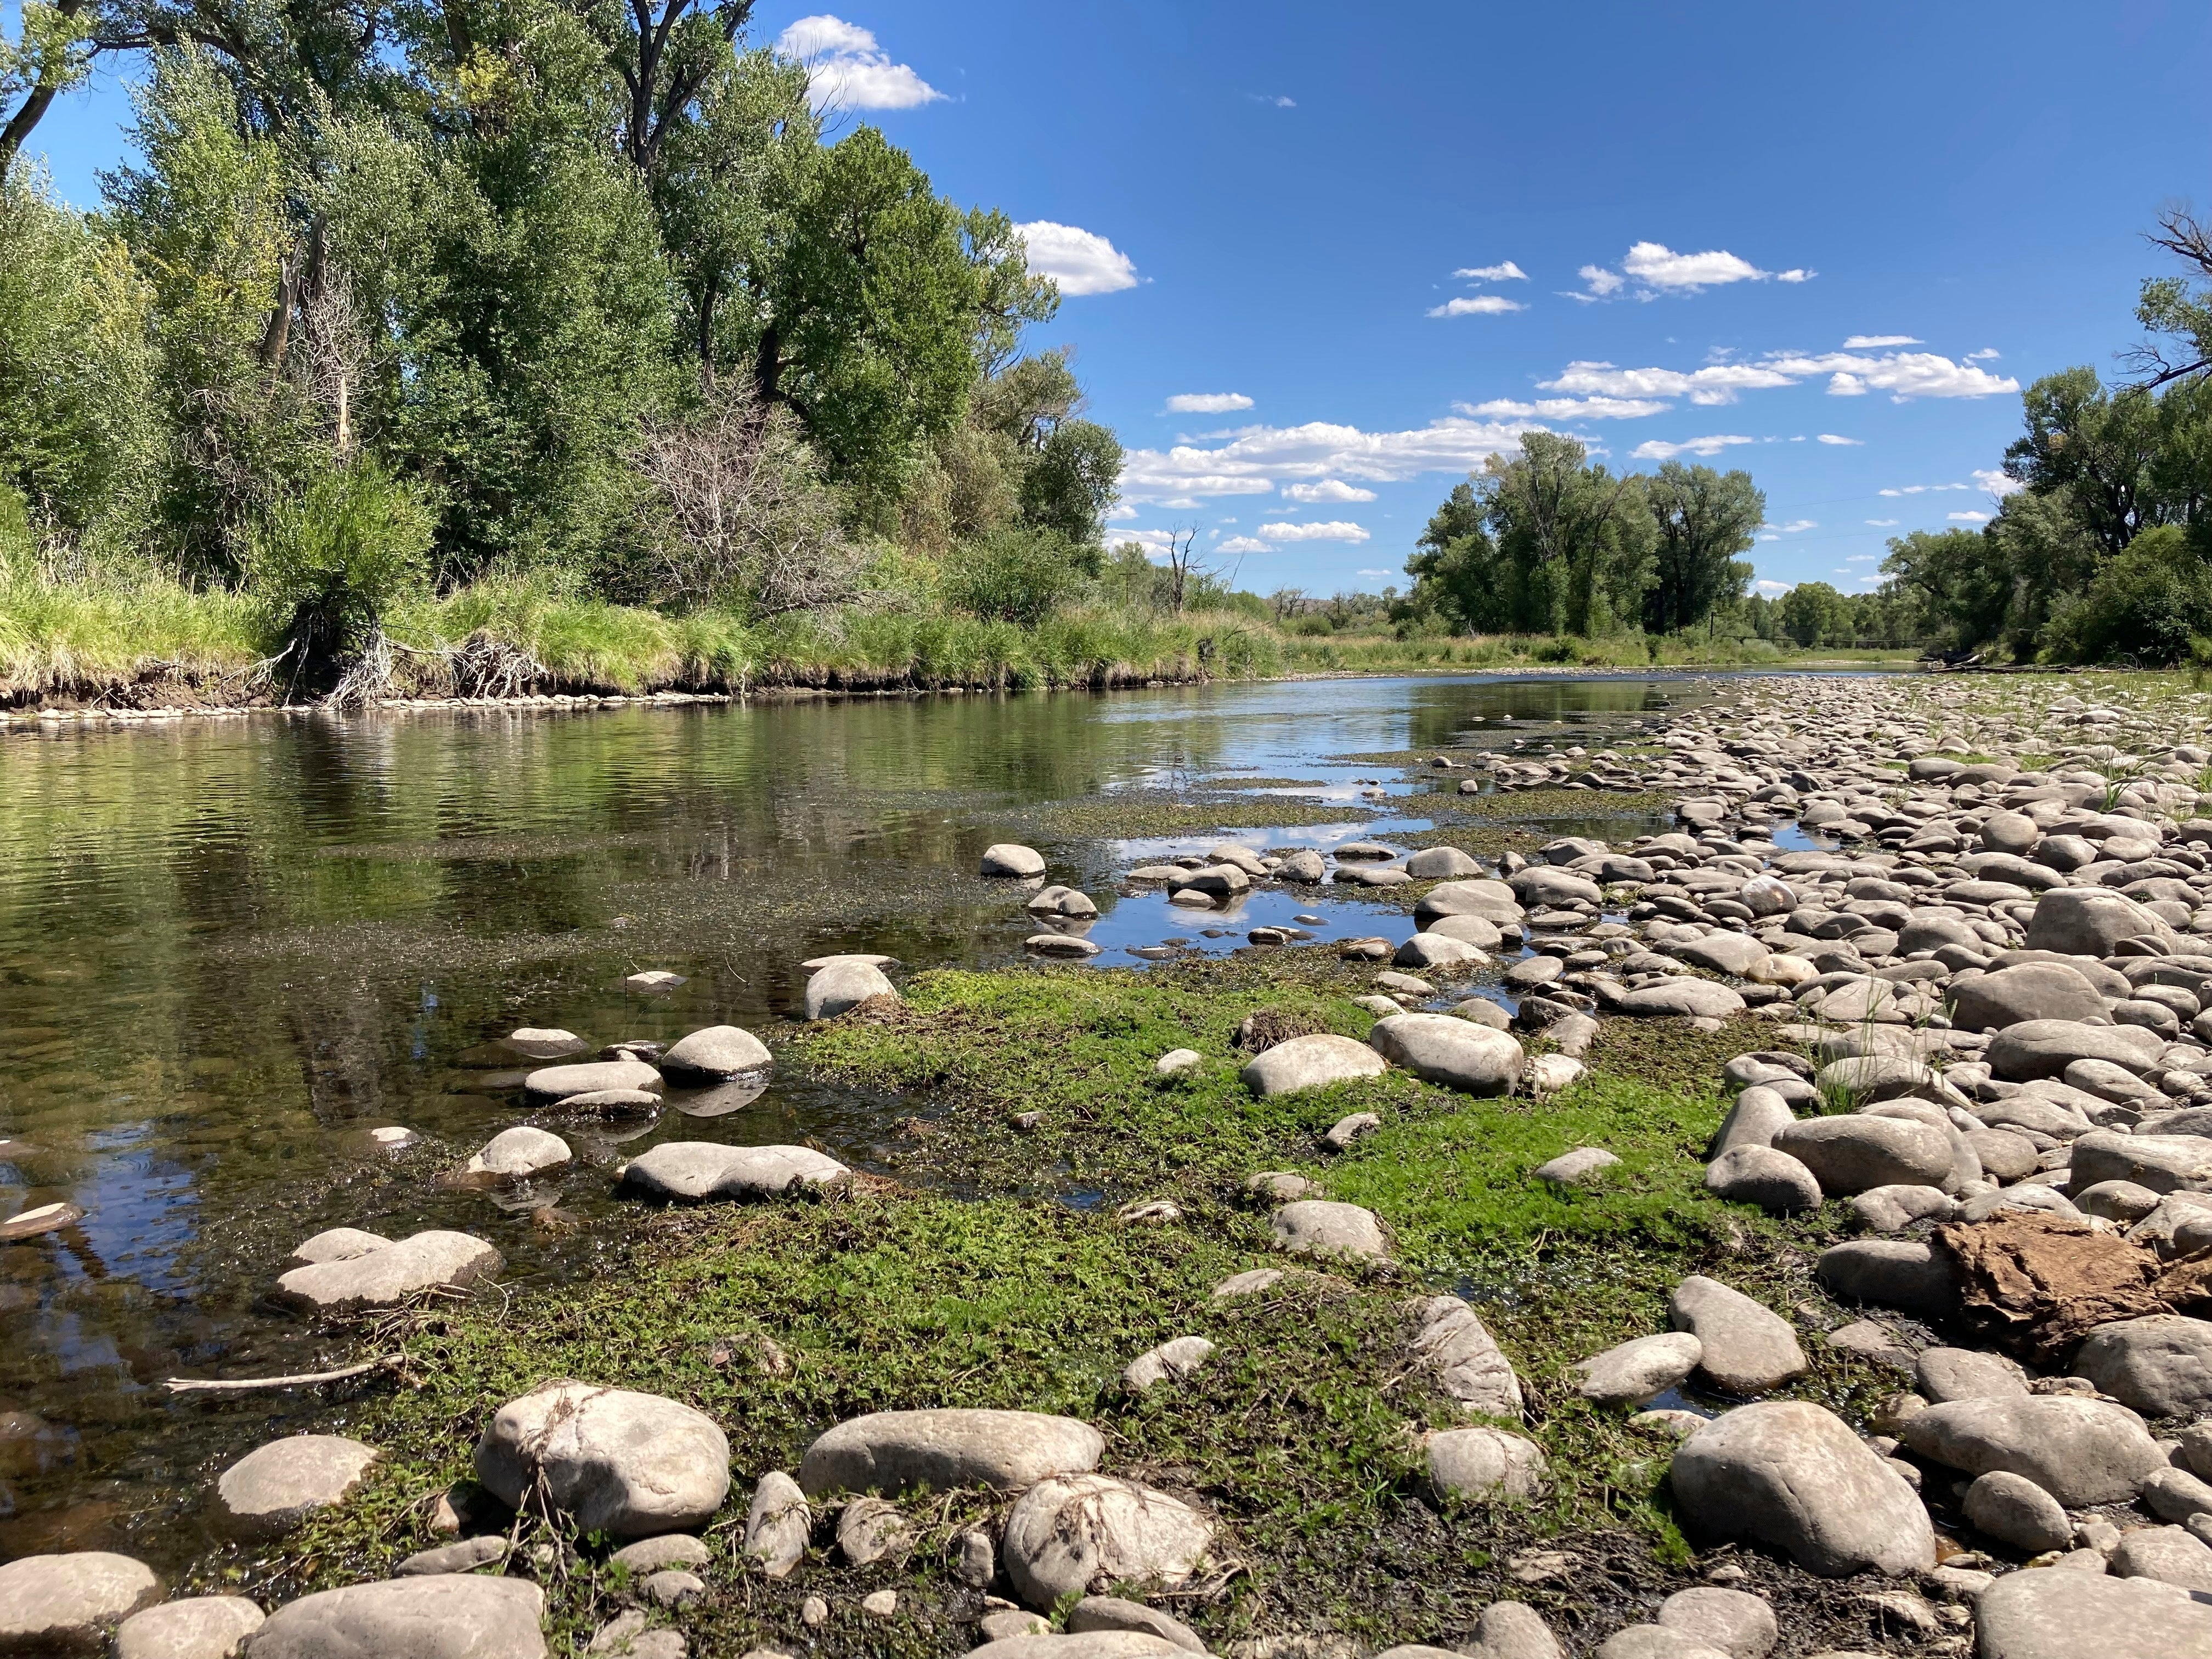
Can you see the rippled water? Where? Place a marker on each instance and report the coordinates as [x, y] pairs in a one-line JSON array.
[[229, 949]]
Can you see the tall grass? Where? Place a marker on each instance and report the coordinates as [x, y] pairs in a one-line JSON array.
[[92, 638]]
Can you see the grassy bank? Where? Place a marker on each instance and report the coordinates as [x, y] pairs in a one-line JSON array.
[[988, 1264], [155, 642]]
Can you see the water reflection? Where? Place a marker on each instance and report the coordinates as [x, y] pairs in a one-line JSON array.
[[230, 950]]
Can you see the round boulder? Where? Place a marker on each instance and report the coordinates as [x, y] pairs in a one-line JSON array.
[[517, 1154], [271, 1490], [944, 1449], [1318, 1226], [198, 1627], [718, 1051], [68, 1603], [844, 986], [1633, 1372], [695, 1171], [1486, 1463], [1070, 1534], [2159, 1366], [2088, 922], [2080, 1451], [1311, 1062], [2033, 990], [2012, 1509], [1008, 857], [1771, 1179], [1854, 1152], [630, 1465], [1455, 1052], [1791, 1474], [445, 1616]]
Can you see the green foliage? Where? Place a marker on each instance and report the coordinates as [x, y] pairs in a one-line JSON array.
[[1018, 575], [340, 555], [1814, 613], [2145, 606], [1704, 518]]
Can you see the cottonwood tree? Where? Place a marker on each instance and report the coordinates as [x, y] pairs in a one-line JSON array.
[[1704, 518]]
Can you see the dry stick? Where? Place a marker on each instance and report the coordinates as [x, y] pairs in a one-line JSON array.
[[305, 1380]]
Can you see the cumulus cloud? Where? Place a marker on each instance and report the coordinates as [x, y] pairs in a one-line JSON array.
[[1832, 438], [1245, 545], [1984, 355], [1080, 261], [1480, 305], [1564, 409], [1506, 271], [1793, 528], [1968, 518], [1657, 269], [1328, 489], [1772, 589], [1155, 543], [1994, 480], [1333, 530], [1875, 341], [846, 69], [1904, 374], [1257, 459], [1658, 450], [1207, 403]]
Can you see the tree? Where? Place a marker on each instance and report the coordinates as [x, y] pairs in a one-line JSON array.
[[1454, 568], [2100, 446], [1704, 518], [1814, 613], [2176, 306], [2148, 606], [1576, 539], [1960, 578]]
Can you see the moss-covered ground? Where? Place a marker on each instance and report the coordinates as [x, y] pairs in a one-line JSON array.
[[986, 1263]]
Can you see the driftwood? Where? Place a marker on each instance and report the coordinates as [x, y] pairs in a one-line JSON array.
[[305, 1380]]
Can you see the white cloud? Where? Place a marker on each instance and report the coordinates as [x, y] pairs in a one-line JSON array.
[[1481, 305], [1374, 573], [1657, 268], [1256, 459], [1244, 545], [1207, 403], [1793, 528], [1274, 98], [1983, 355], [1154, 542], [1883, 524], [1120, 512], [1862, 558], [846, 69], [1333, 529], [1505, 272], [1994, 480], [1922, 489], [1564, 408], [1716, 383], [1831, 438], [1875, 341], [1968, 518], [1328, 489], [1773, 589], [1658, 451], [1904, 375], [1080, 261]]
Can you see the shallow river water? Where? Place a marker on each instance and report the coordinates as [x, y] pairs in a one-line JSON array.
[[229, 949]]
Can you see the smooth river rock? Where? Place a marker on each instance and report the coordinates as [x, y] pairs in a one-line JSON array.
[[1457, 1052], [1644, 1366], [2159, 1366], [198, 1627], [1793, 1475], [1320, 1226], [1745, 1347], [718, 1051], [1486, 1463], [2088, 922], [697, 1170], [1311, 1062], [2080, 1451], [1069, 1535], [947, 1448], [2045, 1048], [517, 1154], [448, 1616], [271, 1490], [387, 1277], [556, 1083], [628, 1464], [1855, 1151], [1008, 857], [2089, 1615], [68, 1603], [844, 986]]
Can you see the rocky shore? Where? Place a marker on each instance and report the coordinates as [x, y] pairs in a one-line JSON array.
[[1789, 1233]]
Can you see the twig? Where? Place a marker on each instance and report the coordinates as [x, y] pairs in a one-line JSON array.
[[305, 1380]]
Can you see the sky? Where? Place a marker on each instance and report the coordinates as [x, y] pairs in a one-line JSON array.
[[1319, 262]]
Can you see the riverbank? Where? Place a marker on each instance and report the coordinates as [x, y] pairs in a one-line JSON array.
[[152, 646]]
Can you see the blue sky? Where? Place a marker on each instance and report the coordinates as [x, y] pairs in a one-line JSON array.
[[1693, 219]]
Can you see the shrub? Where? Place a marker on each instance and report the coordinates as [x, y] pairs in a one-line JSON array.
[[338, 556], [2145, 606], [1017, 576]]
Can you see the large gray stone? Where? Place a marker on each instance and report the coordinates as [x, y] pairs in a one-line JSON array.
[[948, 1448], [1439, 952], [198, 1627], [2164, 1164], [1890, 1272], [2088, 922], [1735, 1623], [1457, 1052], [2086, 1615], [2169, 1555], [1442, 864], [1486, 1463], [517, 1154], [1855, 1151], [336, 1244], [1745, 1347], [1458, 1349], [1493, 901], [465, 1555], [778, 1525], [1637, 1368], [1760, 1113], [2011, 996], [1478, 931], [556, 1083], [273, 1488], [630, 1465], [1771, 1179], [1070, 1534], [450, 1616], [1942, 1375], [435, 1259], [844, 986], [69, 1603], [2159, 1366], [1892, 1209], [1696, 998], [1008, 857], [2045, 1048], [1102, 1613], [1311, 1062], [1320, 1226], [1086, 1644], [1790, 1474], [718, 1051], [2080, 1451], [694, 1170], [2012, 1509], [1542, 886]]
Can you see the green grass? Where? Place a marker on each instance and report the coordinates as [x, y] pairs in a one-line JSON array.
[[991, 1269], [66, 639]]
